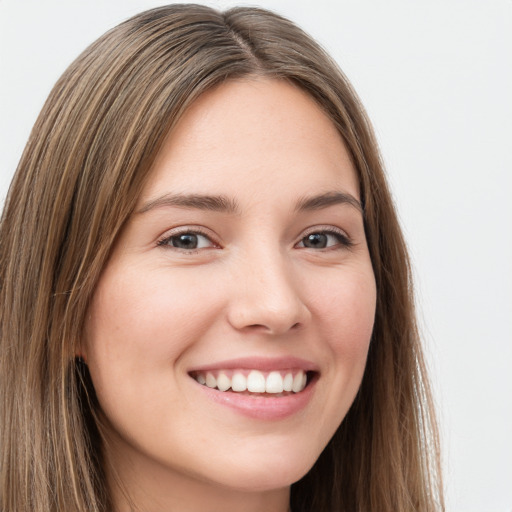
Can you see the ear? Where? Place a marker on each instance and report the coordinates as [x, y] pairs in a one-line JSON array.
[[80, 345], [80, 352], [80, 359]]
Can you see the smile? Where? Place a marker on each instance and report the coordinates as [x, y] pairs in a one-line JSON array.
[[254, 381], [262, 388]]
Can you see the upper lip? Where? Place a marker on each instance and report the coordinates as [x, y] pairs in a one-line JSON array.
[[264, 364]]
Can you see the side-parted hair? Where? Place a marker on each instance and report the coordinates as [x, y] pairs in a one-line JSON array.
[[84, 166]]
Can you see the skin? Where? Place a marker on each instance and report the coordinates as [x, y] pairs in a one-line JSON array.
[[253, 288]]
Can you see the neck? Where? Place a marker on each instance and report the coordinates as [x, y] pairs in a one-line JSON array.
[[187, 497], [158, 489]]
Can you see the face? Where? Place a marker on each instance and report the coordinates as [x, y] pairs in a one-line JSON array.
[[228, 334]]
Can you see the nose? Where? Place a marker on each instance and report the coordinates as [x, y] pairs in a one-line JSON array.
[[267, 296]]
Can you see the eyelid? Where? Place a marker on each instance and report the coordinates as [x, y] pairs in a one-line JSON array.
[[182, 230], [329, 230]]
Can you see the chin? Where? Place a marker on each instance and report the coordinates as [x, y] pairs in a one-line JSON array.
[[270, 473]]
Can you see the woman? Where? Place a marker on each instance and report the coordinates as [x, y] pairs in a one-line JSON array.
[[206, 298]]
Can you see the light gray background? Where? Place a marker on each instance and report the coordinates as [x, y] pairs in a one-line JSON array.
[[436, 79]]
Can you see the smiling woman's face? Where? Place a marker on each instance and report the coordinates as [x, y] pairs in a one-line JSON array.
[[245, 264]]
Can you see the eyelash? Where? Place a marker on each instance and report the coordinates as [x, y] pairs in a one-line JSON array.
[[344, 241], [165, 241]]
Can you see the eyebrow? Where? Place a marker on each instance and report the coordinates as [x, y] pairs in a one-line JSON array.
[[227, 205], [192, 201], [328, 199]]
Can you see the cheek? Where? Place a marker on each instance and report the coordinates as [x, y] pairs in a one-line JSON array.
[[138, 323], [346, 308], [137, 332]]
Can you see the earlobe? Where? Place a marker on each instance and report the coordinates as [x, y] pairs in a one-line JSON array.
[[80, 359], [80, 354], [80, 344]]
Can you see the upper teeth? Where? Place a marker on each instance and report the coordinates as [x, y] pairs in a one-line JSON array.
[[254, 381]]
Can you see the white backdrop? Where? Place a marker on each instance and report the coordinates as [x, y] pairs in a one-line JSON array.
[[436, 78]]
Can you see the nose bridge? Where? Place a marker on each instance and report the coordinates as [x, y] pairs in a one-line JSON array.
[[268, 296]]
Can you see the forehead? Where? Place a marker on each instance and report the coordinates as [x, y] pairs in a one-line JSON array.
[[248, 135]]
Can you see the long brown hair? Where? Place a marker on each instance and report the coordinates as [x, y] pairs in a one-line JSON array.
[[83, 168]]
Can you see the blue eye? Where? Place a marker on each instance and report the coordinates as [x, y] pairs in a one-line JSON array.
[[187, 241], [324, 240]]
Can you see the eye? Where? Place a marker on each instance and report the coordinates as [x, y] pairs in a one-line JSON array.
[[187, 241], [324, 240]]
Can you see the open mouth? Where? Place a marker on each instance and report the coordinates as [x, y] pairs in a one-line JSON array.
[[255, 382]]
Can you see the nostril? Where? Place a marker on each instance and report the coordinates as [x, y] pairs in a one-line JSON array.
[[250, 313], [263, 327], [256, 326]]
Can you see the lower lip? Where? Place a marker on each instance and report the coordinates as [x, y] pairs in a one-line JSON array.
[[262, 408]]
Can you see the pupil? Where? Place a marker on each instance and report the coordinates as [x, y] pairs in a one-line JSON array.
[[188, 241], [316, 240]]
